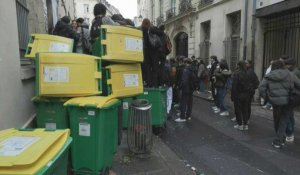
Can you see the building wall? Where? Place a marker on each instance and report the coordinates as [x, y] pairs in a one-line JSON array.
[[15, 94], [36, 16], [70, 8]]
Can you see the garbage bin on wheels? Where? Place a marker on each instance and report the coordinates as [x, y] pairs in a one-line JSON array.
[[139, 132]]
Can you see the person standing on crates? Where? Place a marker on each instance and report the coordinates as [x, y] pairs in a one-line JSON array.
[[100, 19], [83, 45], [187, 83]]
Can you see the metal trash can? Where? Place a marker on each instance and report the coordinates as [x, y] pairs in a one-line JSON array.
[[139, 132]]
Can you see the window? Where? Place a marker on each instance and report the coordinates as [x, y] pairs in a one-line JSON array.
[[86, 8]]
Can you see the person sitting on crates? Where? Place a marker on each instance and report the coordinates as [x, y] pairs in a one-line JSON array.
[[100, 19]]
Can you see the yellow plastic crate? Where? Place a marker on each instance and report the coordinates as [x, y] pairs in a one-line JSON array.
[[48, 43], [32, 152], [124, 80], [121, 44], [67, 75]]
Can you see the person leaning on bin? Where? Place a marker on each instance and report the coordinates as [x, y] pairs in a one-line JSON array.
[[63, 28], [100, 19]]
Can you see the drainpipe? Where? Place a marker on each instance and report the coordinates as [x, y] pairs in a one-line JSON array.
[[245, 30], [253, 32]]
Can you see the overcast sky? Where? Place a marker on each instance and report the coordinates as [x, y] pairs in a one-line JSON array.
[[128, 8]]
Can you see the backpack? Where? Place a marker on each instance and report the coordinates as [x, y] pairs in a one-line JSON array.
[[168, 45], [95, 29]]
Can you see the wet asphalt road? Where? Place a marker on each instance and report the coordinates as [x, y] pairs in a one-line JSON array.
[[211, 144]]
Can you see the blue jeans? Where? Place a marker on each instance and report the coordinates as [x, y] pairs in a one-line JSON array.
[[290, 124], [221, 93], [201, 85]]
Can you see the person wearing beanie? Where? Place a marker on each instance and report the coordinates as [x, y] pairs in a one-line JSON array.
[[64, 29]]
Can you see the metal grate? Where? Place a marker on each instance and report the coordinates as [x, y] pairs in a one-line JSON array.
[[232, 51], [282, 37], [22, 19]]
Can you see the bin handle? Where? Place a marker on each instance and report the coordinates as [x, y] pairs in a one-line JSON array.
[[142, 108]]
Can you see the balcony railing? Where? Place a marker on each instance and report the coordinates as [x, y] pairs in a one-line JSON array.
[[185, 6], [170, 13], [204, 3], [159, 20]]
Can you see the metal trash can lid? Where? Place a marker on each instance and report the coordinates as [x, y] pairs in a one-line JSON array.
[[142, 104]]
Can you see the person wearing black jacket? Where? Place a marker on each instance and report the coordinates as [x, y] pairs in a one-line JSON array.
[[254, 83], [213, 66], [186, 100], [241, 93], [64, 29]]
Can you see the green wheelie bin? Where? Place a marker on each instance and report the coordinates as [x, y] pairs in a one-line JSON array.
[[93, 122], [158, 98], [126, 102], [51, 113]]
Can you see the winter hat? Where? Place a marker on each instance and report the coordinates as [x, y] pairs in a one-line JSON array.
[[290, 61], [66, 19]]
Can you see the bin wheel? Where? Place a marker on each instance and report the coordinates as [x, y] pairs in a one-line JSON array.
[[105, 171]]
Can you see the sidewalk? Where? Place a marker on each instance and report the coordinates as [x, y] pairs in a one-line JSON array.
[[162, 161], [257, 110]]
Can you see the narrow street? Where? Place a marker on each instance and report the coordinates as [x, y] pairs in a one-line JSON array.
[[211, 144]]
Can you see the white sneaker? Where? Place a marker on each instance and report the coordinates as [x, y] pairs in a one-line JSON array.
[[189, 118], [179, 120], [239, 127], [214, 107], [225, 113], [290, 139], [264, 107], [246, 127], [271, 108], [233, 119], [217, 111]]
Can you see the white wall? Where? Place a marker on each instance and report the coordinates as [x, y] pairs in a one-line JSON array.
[[15, 95], [80, 9]]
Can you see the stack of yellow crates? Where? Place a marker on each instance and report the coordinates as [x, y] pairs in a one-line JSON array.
[[121, 51]]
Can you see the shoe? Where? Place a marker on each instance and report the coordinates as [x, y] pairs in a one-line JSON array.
[[290, 139], [271, 108], [179, 120], [239, 127], [214, 107], [233, 119], [189, 118], [265, 107], [217, 111], [225, 113], [246, 127], [277, 144]]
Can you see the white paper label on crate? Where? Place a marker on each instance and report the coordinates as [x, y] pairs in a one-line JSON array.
[[132, 44], [59, 47], [91, 113], [145, 93], [14, 146], [56, 74], [85, 129], [125, 105], [131, 80], [51, 126]]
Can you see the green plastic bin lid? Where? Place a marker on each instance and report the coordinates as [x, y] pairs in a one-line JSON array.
[[160, 89], [95, 101]]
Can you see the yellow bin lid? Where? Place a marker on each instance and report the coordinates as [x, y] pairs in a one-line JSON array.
[[28, 151], [95, 101]]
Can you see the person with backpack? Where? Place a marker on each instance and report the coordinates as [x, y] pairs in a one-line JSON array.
[[241, 93], [187, 88], [83, 45], [202, 75], [290, 64], [212, 67], [277, 86], [100, 19], [221, 80]]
